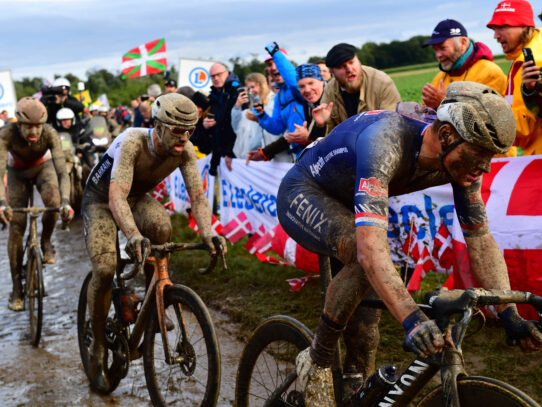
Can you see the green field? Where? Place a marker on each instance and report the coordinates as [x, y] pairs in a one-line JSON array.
[[410, 80]]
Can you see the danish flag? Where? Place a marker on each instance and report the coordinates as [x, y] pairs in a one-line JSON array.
[[293, 253], [160, 191], [216, 226], [237, 228], [297, 284], [423, 266], [411, 246], [442, 247]]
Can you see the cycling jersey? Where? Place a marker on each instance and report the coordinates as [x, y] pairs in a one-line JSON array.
[[370, 157]]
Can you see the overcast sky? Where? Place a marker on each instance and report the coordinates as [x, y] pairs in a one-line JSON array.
[[44, 37]]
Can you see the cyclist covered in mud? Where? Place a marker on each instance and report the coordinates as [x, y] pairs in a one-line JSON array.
[[116, 197], [32, 153], [334, 201]]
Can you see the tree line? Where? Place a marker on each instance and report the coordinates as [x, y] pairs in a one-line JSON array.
[[121, 91]]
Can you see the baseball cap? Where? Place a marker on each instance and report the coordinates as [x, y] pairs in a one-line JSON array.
[[515, 13], [269, 57], [446, 29], [340, 53], [170, 82]]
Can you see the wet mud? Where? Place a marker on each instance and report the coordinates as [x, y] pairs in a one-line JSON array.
[[52, 373]]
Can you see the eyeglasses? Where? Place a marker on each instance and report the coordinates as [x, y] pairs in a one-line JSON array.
[[217, 74], [178, 131]]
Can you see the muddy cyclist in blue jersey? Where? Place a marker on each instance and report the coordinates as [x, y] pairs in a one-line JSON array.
[[334, 201]]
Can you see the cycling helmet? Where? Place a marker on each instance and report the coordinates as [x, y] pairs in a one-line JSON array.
[[173, 109], [92, 108], [480, 115], [65, 114], [62, 83], [103, 109], [31, 111]]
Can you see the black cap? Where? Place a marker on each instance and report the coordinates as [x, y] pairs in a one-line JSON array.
[[444, 30], [170, 82], [200, 100], [340, 53]]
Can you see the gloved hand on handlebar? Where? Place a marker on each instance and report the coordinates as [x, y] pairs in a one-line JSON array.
[[527, 332], [66, 212], [5, 213], [423, 337], [135, 247], [208, 240]]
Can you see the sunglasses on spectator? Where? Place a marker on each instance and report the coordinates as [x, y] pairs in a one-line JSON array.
[[178, 131], [217, 74]]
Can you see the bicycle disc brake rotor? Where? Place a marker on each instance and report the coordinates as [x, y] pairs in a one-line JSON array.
[[185, 350]]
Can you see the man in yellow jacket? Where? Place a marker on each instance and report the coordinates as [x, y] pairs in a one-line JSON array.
[[514, 29], [460, 59]]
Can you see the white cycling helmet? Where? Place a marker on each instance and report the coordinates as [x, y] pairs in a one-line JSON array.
[[62, 83], [92, 108], [65, 114], [103, 109]]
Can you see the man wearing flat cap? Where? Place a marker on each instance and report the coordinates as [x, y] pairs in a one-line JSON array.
[[354, 88], [460, 59]]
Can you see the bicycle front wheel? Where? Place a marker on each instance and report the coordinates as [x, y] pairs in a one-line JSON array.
[[34, 294], [474, 390], [192, 376], [267, 365]]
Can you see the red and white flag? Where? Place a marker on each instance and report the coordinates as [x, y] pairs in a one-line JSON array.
[[423, 266], [297, 284], [511, 193], [270, 259], [160, 191], [442, 247], [297, 256], [216, 226], [144, 60], [411, 246], [170, 208], [237, 228], [254, 239]]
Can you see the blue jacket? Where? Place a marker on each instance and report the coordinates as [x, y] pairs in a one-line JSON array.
[[288, 108]]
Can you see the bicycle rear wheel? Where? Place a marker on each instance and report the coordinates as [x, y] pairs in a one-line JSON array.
[[268, 361], [34, 294], [194, 376], [117, 359], [475, 390]]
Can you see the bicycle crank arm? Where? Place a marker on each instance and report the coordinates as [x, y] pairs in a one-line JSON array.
[[271, 401]]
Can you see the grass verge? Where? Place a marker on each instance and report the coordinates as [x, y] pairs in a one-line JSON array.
[[250, 291]]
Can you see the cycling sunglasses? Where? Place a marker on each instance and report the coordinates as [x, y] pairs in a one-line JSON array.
[[178, 131]]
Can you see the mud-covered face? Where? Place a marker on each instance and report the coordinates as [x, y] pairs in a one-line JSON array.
[[467, 162], [30, 132], [173, 139]]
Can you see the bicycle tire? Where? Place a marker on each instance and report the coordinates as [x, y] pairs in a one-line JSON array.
[[34, 294], [474, 390], [85, 336], [195, 380], [268, 358]]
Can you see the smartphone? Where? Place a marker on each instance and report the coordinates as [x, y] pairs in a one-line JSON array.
[[528, 54], [241, 89], [210, 116]]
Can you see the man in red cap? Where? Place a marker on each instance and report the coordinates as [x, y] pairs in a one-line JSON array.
[[513, 24]]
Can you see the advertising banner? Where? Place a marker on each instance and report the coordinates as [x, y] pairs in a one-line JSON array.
[[195, 73], [8, 100]]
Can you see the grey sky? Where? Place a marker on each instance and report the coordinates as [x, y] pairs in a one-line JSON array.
[[44, 37]]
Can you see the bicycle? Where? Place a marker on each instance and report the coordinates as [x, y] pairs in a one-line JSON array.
[[32, 271], [267, 377], [185, 356]]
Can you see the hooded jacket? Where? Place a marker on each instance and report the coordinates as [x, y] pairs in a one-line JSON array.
[[479, 67]]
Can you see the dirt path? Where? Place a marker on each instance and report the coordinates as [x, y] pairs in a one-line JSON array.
[[52, 374]]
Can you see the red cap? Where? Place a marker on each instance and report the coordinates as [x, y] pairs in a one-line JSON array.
[[269, 58], [515, 13]]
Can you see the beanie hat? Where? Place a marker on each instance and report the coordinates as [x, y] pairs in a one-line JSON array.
[[515, 13], [340, 53], [308, 71]]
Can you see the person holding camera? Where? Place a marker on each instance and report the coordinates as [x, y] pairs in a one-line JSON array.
[[218, 122], [514, 29], [56, 97]]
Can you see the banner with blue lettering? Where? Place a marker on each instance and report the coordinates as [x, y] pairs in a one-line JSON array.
[[251, 189], [177, 188]]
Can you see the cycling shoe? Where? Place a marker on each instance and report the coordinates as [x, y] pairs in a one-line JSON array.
[[316, 381], [49, 253], [96, 373]]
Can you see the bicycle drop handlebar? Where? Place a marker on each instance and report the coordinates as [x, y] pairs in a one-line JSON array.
[[169, 247]]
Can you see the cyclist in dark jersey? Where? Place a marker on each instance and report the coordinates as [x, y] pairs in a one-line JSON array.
[[334, 201], [116, 197]]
